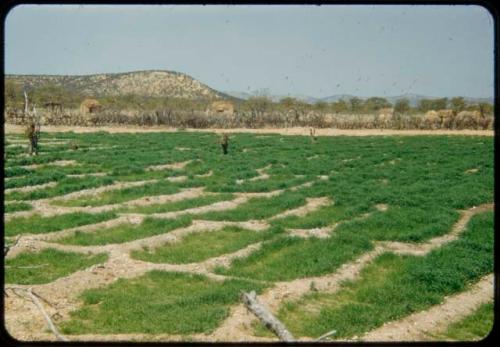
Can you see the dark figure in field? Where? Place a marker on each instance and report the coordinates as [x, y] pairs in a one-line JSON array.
[[32, 134], [224, 142], [312, 132]]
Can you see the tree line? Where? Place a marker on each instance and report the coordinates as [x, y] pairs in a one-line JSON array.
[[257, 105]]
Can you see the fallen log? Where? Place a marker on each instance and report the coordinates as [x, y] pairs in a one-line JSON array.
[[38, 304], [330, 333], [266, 317]]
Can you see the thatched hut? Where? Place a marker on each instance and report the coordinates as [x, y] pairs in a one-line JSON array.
[[384, 117], [447, 117], [469, 119], [386, 110], [90, 106], [221, 108], [432, 120]]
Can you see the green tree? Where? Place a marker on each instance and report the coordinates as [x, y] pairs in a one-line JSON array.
[[402, 106], [259, 105], [440, 104], [294, 106], [340, 106], [321, 106], [425, 105], [355, 104], [485, 108], [458, 104], [375, 103], [13, 94], [52, 93]]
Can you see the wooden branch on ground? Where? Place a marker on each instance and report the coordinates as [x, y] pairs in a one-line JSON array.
[[330, 333], [269, 320], [6, 248], [35, 300]]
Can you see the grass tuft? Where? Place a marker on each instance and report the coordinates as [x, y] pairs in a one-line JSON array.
[[47, 265]]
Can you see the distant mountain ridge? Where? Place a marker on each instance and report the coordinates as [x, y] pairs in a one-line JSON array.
[[414, 99], [157, 83]]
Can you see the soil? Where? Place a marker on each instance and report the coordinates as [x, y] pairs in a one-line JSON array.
[[95, 174], [55, 163], [417, 327], [10, 128], [174, 166], [25, 323], [311, 205], [262, 175], [30, 188]]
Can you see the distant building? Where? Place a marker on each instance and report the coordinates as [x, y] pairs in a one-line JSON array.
[[90, 106]]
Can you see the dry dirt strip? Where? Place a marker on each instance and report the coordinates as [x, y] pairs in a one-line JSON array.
[[262, 175], [45, 208], [30, 188], [303, 131], [51, 163], [26, 240], [417, 326], [61, 294], [120, 265], [325, 232], [237, 326], [34, 245], [31, 242]]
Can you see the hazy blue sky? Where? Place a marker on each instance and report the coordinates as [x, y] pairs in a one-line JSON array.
[[312, 50]]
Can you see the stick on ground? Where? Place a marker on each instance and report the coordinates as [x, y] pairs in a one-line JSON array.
[[324, 336], [35, 300], [269, 320]]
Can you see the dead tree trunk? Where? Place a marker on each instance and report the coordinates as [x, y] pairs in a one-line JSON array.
[[269, 320], [25, 104]]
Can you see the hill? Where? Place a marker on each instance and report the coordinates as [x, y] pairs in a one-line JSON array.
[[154, 83]]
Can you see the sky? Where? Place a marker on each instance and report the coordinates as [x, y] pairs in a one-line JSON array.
[[319, 51]]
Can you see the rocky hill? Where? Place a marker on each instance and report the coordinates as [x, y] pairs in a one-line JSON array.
[[157, 83]]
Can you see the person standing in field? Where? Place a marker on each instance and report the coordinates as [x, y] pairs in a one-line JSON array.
[[32, 134], [224, 143]]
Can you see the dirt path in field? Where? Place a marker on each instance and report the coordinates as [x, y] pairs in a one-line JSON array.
[[25, 322], [237, 326], [312, 204], [326, 231], [94, 174], [22, 318], [304, 131], [36, 243], [32, 242], [30, 188], [45, 208], [426, 247], [417, 326], [61, 296], [295, 288], [262, 175], [172, 166], [240, 199], [51, 163]]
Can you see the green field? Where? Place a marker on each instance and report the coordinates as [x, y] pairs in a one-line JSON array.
[[424, 184]]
